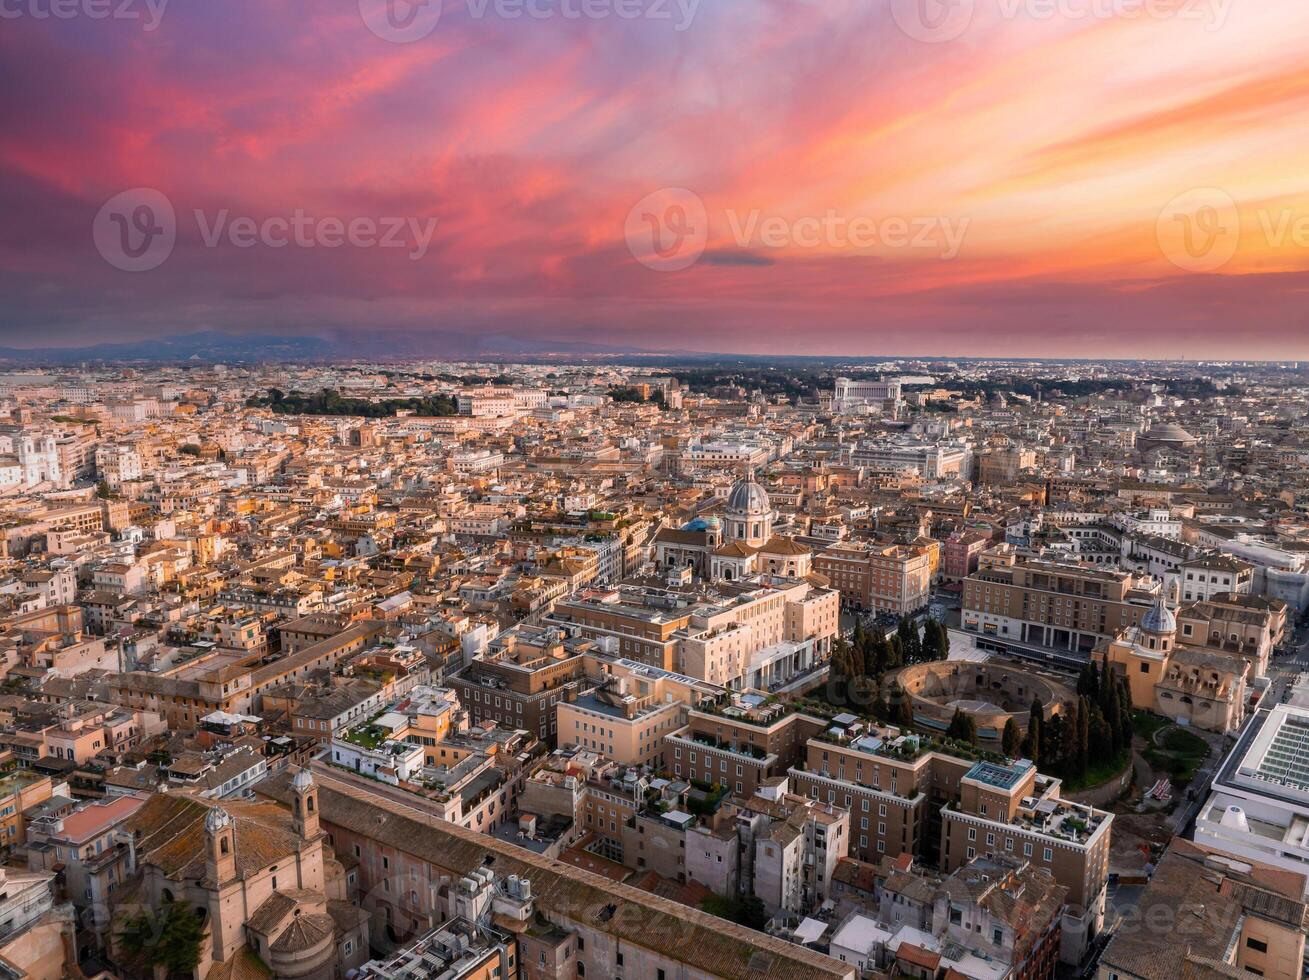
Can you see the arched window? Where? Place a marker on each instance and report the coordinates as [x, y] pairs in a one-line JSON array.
[[223, 846]]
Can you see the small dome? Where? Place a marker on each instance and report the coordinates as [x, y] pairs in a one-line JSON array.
[[217, 819], [749, 497], [1159, 619], [302, 782]]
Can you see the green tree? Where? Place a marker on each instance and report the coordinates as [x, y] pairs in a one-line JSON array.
[[1088, 682], [1032, 743], [911, 646], [1011, 740], [1083, 760], [902, 709], [962, 728], [746, 910], [167, 937]]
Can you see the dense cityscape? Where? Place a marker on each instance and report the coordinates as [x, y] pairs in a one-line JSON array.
[[654, 668]]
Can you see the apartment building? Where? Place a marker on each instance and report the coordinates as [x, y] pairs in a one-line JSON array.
[[1010, 809], [907, 795], [742, 743], [522, 677], [184, 696], [993, 917], [1004, 464], [871, 577], [759, 633], [629, 710], [20, 792], [1053, 604], [891, 784], [960, 552], [1214, 573], [791, 846], [86, 847], [932, 461]]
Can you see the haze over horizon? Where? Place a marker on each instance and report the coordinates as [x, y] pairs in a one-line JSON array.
[[1088, 183]]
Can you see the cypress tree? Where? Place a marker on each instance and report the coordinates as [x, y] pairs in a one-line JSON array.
[[1083, 742], [1032, 744], [962, 728], [902, 711], [1011, 740]]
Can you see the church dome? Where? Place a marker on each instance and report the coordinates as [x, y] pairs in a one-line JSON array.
[[302, 781], [749, 497], [1169, 433], [1159, 619]]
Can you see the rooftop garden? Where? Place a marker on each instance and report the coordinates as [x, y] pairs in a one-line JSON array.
[[705, 798], [368, 735], [754, 751]]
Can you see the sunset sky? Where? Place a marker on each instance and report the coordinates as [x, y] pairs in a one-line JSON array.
[[1043, 177]]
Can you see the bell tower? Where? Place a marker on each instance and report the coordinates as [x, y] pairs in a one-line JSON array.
[[220, 836], [305, 805]]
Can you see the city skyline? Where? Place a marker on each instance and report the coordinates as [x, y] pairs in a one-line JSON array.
[[1045, 180]]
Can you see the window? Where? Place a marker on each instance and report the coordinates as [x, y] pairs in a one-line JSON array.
[[1258, 945]]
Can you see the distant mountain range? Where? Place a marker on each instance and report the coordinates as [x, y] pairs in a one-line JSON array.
[[216, 346]]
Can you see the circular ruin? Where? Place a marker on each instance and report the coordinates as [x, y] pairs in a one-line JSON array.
[[989, 692]]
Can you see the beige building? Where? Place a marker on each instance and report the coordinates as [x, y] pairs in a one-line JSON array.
[[1198, 686], [629, 710], [759, 633], [1052, 604], [264, 882], [871, 577]]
